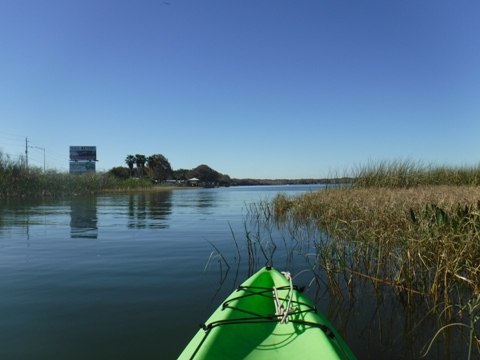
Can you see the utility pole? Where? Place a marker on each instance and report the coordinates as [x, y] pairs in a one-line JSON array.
[[36, 147], [26, 153]]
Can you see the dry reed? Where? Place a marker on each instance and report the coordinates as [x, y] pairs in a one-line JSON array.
[[406, 233], [422, 242]]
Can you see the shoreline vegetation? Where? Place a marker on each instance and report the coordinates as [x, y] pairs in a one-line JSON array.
[[325, 181], [16, 180], [411, 231]]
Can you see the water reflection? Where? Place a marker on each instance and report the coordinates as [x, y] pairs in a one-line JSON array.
[[83, 217], [204, 200], [149, 210], [20, 215]]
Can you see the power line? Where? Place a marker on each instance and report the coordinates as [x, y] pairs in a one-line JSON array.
[[31, 158], [12, 141], [51, 158], [10, 144], [14, 135], [11, 155]]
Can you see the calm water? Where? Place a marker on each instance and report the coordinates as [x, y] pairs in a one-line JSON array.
[[114, 276], [131, 276]]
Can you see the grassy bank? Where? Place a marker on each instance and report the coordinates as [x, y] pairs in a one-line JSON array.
[[412, 230], [408, 174], [17, 180]]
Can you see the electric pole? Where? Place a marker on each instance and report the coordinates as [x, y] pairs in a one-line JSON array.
[[26, 153]]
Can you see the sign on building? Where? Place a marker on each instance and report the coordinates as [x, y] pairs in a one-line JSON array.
[[82, 159], [83, 153], [80, 167]]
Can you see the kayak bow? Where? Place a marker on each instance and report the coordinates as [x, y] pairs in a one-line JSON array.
[[267, 317]]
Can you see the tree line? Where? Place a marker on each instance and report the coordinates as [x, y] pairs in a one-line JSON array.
[[157, 168]]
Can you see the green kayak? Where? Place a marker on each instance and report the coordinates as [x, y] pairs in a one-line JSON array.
[[267, 317]]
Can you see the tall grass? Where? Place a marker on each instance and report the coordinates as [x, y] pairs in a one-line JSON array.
[[17, 180], [399, 235], [421, 242], [407, 174]]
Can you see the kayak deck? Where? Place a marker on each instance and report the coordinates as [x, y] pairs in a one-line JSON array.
[[267, 318]]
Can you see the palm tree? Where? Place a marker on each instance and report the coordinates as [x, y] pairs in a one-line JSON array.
[[130, 160], [140, 160]]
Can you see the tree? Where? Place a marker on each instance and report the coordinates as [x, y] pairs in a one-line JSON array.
[[140, 160], [130, 160], [209, 176], [159, 168], [181, 174], [120, 172]]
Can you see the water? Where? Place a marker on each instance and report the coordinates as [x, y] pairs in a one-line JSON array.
[[114, 276], [131, 276]]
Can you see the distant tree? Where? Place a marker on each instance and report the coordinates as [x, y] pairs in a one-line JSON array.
[[120, 172], [209, 176], [159, 168], [181, 174], [140, 160], [225, 180], [204, 173], [130, 160]]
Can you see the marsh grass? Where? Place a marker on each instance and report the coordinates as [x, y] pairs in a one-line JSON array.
[[17, 180], [408, 173], [259, 234], [422, 243]]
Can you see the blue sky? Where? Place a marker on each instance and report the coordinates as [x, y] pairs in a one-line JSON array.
[[259, 89]]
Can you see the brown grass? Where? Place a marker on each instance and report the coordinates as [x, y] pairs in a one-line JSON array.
[[422, 240]]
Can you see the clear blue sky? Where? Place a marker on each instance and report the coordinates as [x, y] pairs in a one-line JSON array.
[[260, 89]]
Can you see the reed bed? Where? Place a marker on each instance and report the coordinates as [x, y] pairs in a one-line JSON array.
[[422, 243], [408, 174], [16, 180], [405, 230]]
